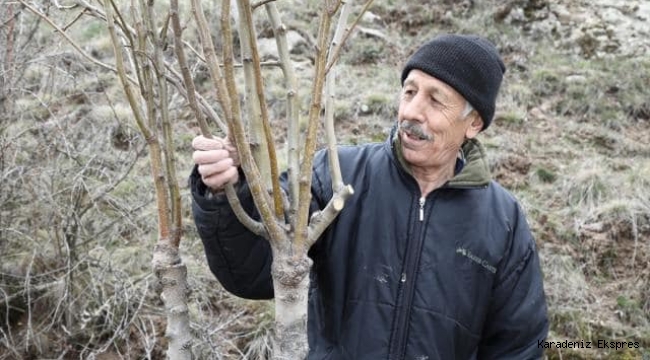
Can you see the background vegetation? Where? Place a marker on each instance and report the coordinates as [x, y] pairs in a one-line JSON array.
[[77, 220]]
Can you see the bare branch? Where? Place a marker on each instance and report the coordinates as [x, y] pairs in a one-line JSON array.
[[293, 107], [121, 72], [35, 11], [337, 50], [261, 2], [170, 161], [259, 87], [182, 62], [304, 192], [254, 226], [236, 130], [81, 13], [333, 156], [253, 117], [224, 99], [321, 220]]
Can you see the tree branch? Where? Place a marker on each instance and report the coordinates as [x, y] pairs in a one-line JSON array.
[[321, 220], [293, 108], [259, 87], [337, 50], [330, 81], [304, 193], [261, 2], [230, 108], [170, 161]]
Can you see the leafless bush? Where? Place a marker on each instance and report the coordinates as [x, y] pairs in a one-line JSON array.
[[67, 158]]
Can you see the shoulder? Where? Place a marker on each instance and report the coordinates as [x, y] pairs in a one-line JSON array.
[[352, 155]]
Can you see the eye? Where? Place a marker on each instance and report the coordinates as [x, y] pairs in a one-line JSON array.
[[408, 92]]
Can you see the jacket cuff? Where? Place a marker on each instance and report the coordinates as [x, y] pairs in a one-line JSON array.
[[201, 194], [212, 201]]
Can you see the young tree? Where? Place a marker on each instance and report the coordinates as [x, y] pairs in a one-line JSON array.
[[145, 75]]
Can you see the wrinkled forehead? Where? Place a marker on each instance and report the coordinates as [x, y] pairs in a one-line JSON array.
[[430, 84]]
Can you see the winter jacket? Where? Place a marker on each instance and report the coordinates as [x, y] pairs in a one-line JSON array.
[[455, 275]]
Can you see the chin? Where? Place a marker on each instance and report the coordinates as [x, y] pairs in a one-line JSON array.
[[416, 157]]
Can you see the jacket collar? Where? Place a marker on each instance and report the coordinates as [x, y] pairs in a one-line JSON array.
[[472, 168]]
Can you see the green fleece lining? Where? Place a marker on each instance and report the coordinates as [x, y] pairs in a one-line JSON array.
[[475, 173]]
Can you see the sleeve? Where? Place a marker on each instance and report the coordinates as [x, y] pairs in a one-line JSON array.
[[239, 259], [517, 319]]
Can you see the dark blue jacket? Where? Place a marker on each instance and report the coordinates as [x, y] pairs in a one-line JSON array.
[[452, 276]]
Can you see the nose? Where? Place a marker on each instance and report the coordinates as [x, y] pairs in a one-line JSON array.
[[413, 108]]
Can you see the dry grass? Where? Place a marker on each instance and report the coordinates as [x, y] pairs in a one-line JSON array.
[[77, 221]]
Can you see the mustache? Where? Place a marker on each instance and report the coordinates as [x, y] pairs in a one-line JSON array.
[[413, 128]]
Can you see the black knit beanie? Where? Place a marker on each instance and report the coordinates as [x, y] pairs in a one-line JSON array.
[[468, 63]]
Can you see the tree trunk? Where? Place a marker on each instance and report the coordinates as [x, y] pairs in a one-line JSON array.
[[172, 276], [291, 287]]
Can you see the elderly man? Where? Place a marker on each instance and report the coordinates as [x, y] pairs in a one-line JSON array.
[[430, 259]]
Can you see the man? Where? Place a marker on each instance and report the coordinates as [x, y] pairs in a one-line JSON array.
[[429, 259]]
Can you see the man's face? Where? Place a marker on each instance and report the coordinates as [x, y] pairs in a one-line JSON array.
[[432, 127]]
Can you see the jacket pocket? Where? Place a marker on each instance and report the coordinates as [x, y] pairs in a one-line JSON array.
[[475, 273]]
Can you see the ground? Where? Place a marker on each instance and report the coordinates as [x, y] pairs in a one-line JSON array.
[[571, 140]]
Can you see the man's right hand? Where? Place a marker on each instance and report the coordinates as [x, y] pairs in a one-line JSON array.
[[217, 161]]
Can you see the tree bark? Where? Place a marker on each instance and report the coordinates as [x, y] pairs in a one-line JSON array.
[[172, 277], [291, 287]]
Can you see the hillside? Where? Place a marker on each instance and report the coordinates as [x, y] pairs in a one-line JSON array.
[[571, 140]]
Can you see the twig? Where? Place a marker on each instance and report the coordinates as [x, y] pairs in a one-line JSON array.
[[76, 18], [260, 3], [66, 37]]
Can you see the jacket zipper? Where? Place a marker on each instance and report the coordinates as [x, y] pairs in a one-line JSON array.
[[407, 286], [422, 200]]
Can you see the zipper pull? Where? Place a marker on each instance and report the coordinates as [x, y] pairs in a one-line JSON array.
[[422, 200]]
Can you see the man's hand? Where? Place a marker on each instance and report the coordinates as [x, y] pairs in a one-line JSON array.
[[217, 161]]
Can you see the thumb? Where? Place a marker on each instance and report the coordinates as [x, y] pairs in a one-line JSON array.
[[202, 143]]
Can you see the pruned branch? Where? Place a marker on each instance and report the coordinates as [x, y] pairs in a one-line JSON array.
[[322, 219]]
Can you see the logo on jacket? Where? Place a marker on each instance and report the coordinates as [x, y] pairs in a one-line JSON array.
[[482, 262]]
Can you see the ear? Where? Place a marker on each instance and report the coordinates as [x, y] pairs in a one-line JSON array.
[[475, 126]]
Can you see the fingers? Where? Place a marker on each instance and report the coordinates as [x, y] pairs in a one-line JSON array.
[[212, 168], [218, 180], [217, 161], [201, 157], [202, 143]]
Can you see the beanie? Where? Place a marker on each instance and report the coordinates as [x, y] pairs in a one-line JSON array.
[[468, 63]]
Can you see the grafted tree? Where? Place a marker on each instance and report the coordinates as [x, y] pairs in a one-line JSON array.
[[146, 74]]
